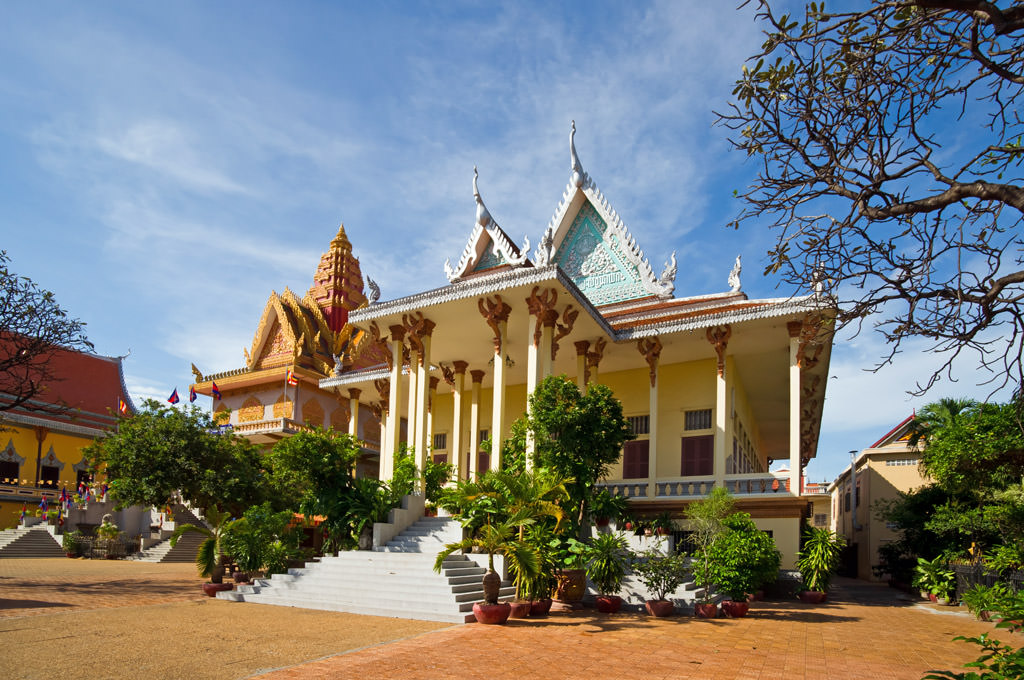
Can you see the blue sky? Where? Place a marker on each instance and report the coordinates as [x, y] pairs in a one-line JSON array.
[[166, 166]]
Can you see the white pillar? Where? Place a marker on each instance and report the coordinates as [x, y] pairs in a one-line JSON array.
[[460, 384], [474, 424], [498, 409], [794, 407], [720, 418], [422, 387], [353, 411], [581, 363], [532, 375], [394, 421], [410, 414], [652, 437]]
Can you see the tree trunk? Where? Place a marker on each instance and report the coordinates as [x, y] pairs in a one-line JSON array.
[[492, 586]]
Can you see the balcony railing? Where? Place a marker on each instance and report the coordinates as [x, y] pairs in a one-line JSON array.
[[745, 485]]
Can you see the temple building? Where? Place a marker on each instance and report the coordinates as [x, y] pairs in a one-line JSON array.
[[298, 343], [716, 386], [43, 440]]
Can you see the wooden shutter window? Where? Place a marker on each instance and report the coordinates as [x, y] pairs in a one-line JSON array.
[[698, 456], [636, 460]]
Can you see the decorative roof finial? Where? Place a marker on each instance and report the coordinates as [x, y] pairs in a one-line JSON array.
[[341, 239], [578, 176], [483, 217], [734, 276]]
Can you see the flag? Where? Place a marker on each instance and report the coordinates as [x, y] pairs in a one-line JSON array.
[[45, 507], [214, 391], [60, 515], [24, 507], [192, 393], [122, 406], [173, 399], [292, 380]]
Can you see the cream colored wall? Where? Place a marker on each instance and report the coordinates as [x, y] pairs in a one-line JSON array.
[[745, 415], [786, 532], [633, 389]]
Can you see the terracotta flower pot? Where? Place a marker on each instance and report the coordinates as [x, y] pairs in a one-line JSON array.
[[813, 596], [520, 610], [609, 604], [568, 593], [660, 608], [707, 610], [734, 609], [540, 607], [492, 613], [211, 589], [602, 521]]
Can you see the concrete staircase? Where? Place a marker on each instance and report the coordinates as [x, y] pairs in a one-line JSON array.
[[396, 580], [35, 541], [634, 594], [186, 548]]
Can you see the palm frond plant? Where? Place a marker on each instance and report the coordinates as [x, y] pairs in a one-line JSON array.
[[497, 539], [209, 559], [607, 559], [369, 502], [819, 558]]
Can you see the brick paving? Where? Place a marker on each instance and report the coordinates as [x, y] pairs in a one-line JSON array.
[[865, 631]]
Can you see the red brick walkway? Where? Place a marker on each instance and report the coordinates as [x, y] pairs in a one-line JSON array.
[[865, 632]]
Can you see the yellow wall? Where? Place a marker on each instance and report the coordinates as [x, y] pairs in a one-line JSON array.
[[67, 448], [786, 532]]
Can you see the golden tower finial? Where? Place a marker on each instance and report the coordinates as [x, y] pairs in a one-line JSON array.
[[341, 240]]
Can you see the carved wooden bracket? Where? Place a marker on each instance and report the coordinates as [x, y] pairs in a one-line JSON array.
[[563, 329], [650, 348], [542, 308], [594, 357], [354, 392], [448, 373], [460, 367], [719, 338], [477, 376], [417, 327], [495, 311], [383, 386]]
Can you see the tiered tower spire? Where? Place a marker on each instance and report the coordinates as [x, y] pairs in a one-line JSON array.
[[338, 282]]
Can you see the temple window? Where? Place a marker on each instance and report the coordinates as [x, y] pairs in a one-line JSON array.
[[698, 456], [9, 471], [49, 476], [697, 420], [639, 425], [441, 458], [636, 459], [251, 411], [440, 441]]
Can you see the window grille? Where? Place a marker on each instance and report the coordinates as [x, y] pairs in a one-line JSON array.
[[901, 462], [697, 420], [440, 441], [640, 424]]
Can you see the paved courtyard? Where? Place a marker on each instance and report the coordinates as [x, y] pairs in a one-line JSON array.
[[112, 619]]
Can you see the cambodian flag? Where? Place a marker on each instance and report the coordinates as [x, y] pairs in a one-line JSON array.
[[214, 391], [173, 399], [45, 506], [24, 507], [192, 394]]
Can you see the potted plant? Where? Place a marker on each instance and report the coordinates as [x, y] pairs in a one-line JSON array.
[[69, 541], [818, 561], [570, 572], [661, 574], [209, 559], [738, 561], [501, 539], [663, 523], [607, 558], [108, 532], [606, 508], [933, 576]]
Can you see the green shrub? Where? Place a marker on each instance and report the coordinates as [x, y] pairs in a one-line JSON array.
[[661, 574]]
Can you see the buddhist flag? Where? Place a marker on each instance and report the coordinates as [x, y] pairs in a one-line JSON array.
[[292, 380], [173, 399], [192, 393], [122, 406], [214, 391]]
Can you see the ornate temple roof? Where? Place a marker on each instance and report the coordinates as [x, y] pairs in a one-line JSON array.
[[310, 335]]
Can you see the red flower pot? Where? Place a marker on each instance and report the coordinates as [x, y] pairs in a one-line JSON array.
[[708, 610], [660, 608], [492, 613], [540, 607], [602, 521], [735, 610], [211, 589], [520, 610], [813, 596], [609, 604]]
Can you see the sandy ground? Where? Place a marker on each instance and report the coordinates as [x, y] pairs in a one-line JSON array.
[[112, 619]]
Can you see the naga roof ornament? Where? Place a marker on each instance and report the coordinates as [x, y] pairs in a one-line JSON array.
[[486, 235], [734, 276]]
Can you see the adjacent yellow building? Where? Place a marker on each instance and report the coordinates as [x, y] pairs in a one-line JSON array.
[[879, 472]]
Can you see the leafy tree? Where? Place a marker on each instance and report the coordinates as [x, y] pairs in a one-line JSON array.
[[707, 521], [577, 436], [318, 467], [33, 328], [210, 557], [161, 451], [888, 145], [252, 540], [740, 559]]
